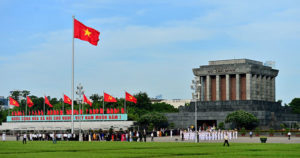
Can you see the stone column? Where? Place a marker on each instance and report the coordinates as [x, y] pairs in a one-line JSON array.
[[237, 90], [218, 90], [228, 87], [254, 88], [263, 88], [258, 85], [202, 88], [208, 88], [268, 88], [273, 92], [248, 86]]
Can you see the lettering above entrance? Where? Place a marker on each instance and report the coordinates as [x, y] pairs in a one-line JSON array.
[[221, 71]]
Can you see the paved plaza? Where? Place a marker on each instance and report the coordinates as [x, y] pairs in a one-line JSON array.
[[239, 140]]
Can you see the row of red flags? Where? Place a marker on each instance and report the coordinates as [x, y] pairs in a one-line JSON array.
[[69, 112], [67, 100]]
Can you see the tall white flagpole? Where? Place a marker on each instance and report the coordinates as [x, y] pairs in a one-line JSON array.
[[125, 103], [73, 77], [103, 103], [26, 107], [44, 102]]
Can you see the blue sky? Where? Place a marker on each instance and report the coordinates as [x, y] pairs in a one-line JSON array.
[[148, 46]]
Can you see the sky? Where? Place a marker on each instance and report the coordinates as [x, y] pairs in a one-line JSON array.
[[145, 46]]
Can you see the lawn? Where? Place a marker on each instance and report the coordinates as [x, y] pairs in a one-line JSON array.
[[140, 149]]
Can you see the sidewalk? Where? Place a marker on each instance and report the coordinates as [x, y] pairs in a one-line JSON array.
[[239, 140]]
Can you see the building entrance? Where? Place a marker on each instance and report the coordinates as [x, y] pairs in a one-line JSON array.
[[204, 124]]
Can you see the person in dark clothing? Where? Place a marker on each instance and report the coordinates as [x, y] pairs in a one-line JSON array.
[[24, 138], [140, 137], [226, 140]]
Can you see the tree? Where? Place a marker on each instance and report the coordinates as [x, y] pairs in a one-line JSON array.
[[295, 105], [163, 107], [241, 119], [158, 120]]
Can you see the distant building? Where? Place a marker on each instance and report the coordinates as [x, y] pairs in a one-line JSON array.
[[174, 102], [225, 86]]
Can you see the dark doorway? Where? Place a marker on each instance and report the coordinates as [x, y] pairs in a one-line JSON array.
[[204, 124]]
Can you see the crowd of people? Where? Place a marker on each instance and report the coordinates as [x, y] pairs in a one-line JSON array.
[[209, 135]]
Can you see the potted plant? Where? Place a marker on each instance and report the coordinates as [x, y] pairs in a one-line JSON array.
[[271, 132], [263, 139], [257, 131], [243, 131]]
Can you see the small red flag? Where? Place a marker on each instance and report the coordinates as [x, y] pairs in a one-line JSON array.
[[115, 111], [130, 98], [13, 102], [85, 33], [111, 110], [101, 111], [87, 111], [29, 102], [48, 102], [85, 100], [67, 100], [97, 111], [122, 110], [108, 111], [109, 98]]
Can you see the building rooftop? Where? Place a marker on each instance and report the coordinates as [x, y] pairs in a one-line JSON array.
[[234, 61]]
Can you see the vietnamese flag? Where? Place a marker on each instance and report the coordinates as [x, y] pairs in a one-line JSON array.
[[42, 112], [130, 98], [85, 33], [101, 111], [109, 98], [108, 111], [122, 110], [29, 102], [111, 110], [115, 111], [48, 102], [85, 100], [67, 100], [39, 112], [13, 102]]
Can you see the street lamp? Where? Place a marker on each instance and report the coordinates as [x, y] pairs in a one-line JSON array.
[[196, 87], [79, 92]]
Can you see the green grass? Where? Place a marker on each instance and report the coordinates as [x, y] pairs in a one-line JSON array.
[[138, 149]]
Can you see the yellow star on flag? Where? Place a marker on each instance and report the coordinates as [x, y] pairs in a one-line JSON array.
[[87, 32], [109, 98], [130, 97], [14, 102]]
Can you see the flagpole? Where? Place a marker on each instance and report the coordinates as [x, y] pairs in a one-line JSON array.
[[125, 103], [26, 106], [63, 105], [44, 103], [73, 76], [103, 103]]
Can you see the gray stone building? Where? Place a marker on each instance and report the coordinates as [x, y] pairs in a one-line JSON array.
[[225, 86]]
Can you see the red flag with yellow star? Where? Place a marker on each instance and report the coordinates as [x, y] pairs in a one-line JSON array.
[[85, 33], [29, 102], [48, 102], [130, 98], [109, 98], [86, 100], [67, 100], [13, 102]]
